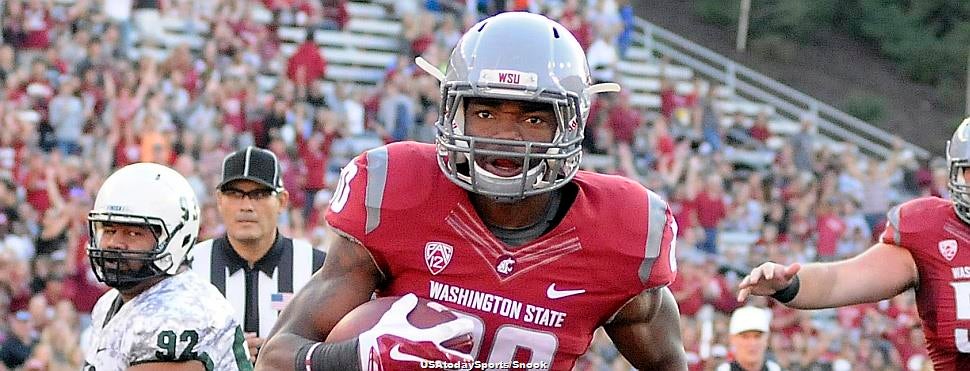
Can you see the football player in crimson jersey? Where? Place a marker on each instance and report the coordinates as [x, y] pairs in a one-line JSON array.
[[496, 222], [926, 247]]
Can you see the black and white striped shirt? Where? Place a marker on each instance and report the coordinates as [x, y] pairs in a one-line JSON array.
[[257, 294]]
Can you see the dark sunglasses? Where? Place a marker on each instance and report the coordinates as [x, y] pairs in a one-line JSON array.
[[255, 195]]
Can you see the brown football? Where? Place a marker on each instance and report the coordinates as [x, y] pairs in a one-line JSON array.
[[425, 315]]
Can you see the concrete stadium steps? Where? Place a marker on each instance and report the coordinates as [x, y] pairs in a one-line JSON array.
[[296, 35], [367, 10], [375, 26], [642, 68], [359, 41], [355, 74], [353, 57]]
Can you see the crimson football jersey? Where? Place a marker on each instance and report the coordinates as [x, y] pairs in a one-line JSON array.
[[940, 245], [539, 302]]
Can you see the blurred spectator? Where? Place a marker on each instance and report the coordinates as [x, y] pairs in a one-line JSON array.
[[830, 227], [307, 64], [803, 145], [418, 33], [574, 19], [710, 210], [602, 56], [625, 38], [67, 116], [397, 112], [710, 122], [335, 14], [760, 131], [669, 100], [624, 121], [20, 341], [315, 153], [37, 24], [147, 18], [14, 32]]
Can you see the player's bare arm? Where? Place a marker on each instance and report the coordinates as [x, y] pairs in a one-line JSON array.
[[347, 279], [881, 272], [647, 331], [169, 366]]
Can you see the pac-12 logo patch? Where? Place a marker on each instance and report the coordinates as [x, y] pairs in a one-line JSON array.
[[437, 255], [948, 248]]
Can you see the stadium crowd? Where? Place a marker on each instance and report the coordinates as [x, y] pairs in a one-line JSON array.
[[81, 95]]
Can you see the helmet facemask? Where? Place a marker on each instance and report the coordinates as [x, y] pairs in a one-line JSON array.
[[115, 267], [544, 165], [959, 188], [520, 57]]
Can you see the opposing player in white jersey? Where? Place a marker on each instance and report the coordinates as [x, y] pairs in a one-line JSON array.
[[159, 315]]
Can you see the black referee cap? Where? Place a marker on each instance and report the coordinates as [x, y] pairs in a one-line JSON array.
[[255, 164]]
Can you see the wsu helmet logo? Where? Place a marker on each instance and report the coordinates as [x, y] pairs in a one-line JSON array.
[[948, 248], [437, 255]]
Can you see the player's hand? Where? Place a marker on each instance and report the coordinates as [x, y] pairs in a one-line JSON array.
[[766, 279], [394, 344], [254, 342]]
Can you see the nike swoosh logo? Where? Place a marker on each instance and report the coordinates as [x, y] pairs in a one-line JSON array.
[[552, 293], [398, 355]]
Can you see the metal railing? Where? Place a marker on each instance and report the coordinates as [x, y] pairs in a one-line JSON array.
[[747, 83]]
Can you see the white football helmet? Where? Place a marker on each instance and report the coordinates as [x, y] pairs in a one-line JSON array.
[[958, 160], [144, 194], [515, 56]]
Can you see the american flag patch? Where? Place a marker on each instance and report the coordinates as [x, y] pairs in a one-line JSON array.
[[279, 300]]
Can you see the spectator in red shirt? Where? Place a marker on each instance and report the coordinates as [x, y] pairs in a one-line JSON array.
[[829, 227], [315, 153], [624, 121], [37, 25], [759, 129], [419, 33], [233, 104], [574, 19], [307, 64], [669, 100], [335, 14], [688, 289], [711, 210]]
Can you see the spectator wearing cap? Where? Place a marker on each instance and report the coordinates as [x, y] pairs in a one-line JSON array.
[[15, 350], [749, 329], [254, 266]]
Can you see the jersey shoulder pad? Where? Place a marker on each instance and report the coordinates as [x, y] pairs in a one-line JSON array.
[[102, 306], [919, 214], [396, 177], [643, 229]]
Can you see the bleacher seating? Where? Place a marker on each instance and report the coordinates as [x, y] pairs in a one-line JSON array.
[[370, 42]]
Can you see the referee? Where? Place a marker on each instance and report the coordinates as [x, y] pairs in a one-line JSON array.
[[254, 266]]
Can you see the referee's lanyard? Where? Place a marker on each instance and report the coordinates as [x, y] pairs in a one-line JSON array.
[[251, 317]]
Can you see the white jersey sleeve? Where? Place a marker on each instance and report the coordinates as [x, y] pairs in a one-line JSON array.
[[181, 318]]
